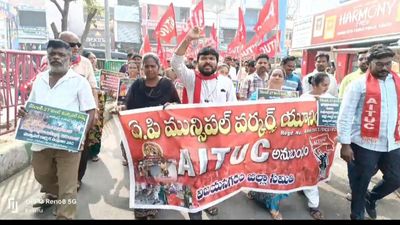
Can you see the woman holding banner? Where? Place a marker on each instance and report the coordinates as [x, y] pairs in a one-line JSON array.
[[320, 84], [153, 90], [270, 200]]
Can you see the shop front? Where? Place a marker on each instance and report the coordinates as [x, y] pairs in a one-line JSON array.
[[346, 30]]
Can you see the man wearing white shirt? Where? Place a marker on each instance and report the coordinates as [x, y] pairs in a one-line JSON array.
[[321, 64], [232, 68], [55, 169], [369, 130], [204, 85]]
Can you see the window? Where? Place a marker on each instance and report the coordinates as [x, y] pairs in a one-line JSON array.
[[156, 11], [127, 2], [32, 18], [181, 14]]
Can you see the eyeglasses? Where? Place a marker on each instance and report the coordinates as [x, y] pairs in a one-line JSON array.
[[75, 44], [362, 59], [381, 64]]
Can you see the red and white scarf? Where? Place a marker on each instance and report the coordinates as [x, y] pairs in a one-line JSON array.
[[76, 61], [197, 87], [371, 114]]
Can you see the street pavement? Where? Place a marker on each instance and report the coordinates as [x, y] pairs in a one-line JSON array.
[[105, 194]]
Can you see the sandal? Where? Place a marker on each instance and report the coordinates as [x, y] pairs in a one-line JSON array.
[[276, 215], [348, 196], [95, 158], [316, 214], [145, 214], [212, 211]]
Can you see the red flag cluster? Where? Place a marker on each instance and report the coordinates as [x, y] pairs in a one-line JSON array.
[[267, 20]]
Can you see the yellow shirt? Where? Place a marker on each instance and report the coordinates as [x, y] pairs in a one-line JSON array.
[[347, 80]]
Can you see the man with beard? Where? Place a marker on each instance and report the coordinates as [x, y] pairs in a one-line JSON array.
[[204, 85], [362, 68], [321, 64], [256, 80], [369, 130], [82, 66], [56, 169]]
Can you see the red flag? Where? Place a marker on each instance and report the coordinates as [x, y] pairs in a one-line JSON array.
[[146, 45], [161, 54], [268, 18], [166, 28], [197, 17], [240, 38], [241, 31], [214, 35], [270, 47]]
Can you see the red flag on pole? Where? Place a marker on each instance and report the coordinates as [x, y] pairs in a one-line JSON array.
[[166, 28], [268, 18], [146, 45], [241, 32], [161, 54], [269, 47], [197, 17], [240, 38], [214, 35]]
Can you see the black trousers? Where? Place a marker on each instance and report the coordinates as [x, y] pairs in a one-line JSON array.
[[83, 163], [366, 164]]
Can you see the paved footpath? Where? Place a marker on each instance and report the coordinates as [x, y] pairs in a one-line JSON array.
[[104, 194]]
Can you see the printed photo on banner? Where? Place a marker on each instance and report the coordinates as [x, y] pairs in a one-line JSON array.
[[191, 157], [179, 88], [264, 93], [328, 111], [124, 85], [52, 127], [109, 83]]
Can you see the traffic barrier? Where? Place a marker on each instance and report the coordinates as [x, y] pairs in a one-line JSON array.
[[17, 70]]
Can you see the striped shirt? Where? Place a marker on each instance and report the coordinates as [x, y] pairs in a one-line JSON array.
[[251, 84]]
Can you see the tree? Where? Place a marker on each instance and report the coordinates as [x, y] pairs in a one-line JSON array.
[[92, 9]]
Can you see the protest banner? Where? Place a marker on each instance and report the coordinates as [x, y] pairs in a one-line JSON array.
[[328, 111], [109, 83], [264, 93], [124, 85], [52, 127], [191, 157]]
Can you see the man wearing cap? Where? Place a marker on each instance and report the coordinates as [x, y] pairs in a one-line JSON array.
[[56, 169]]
